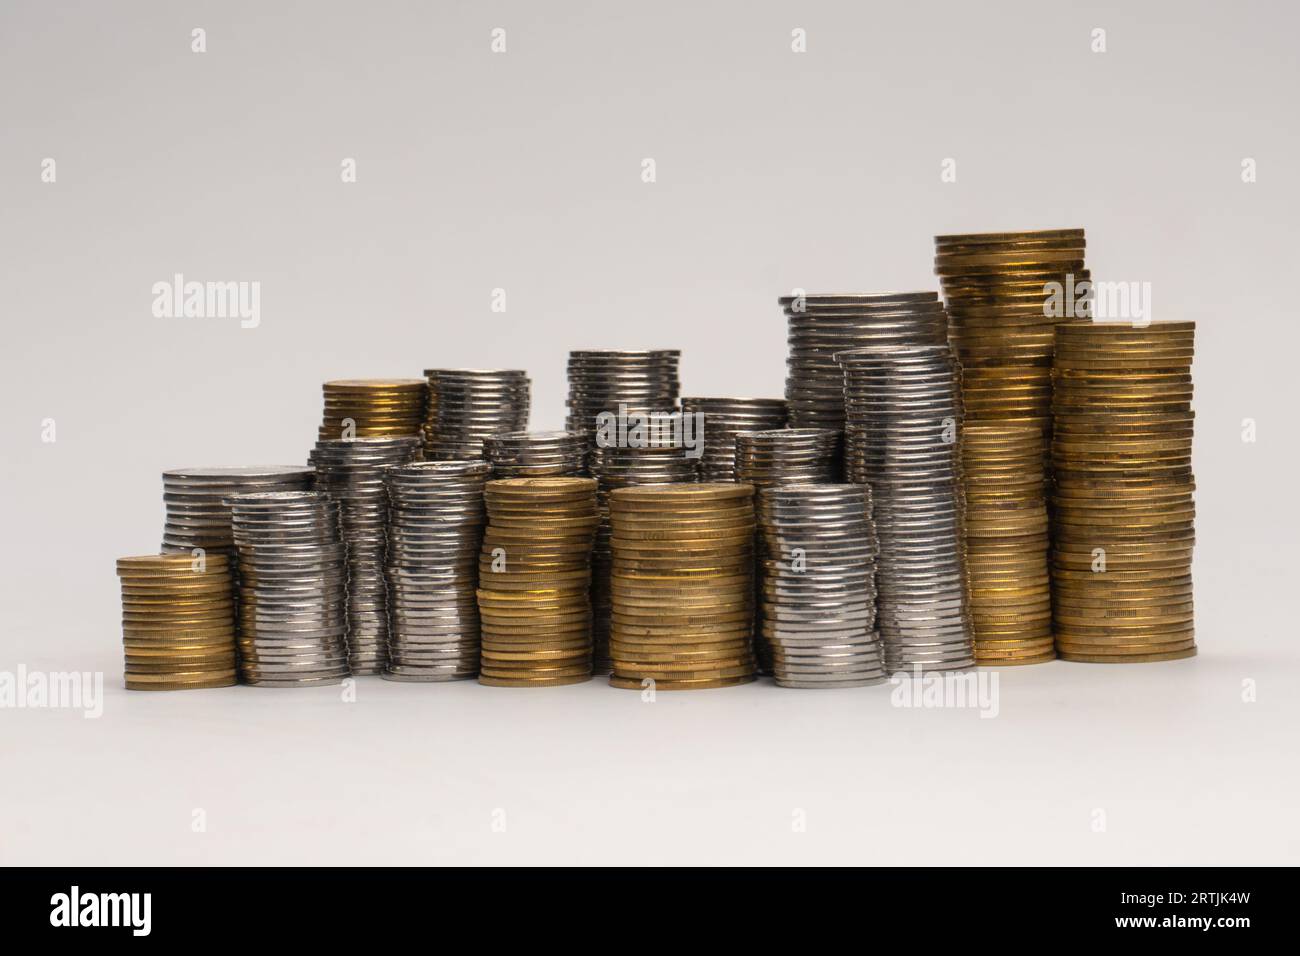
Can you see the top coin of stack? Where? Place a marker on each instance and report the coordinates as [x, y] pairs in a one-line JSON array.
[[372, 408], [723, 418], [468, 405], [536, 454], [197, 517], [601, 380]]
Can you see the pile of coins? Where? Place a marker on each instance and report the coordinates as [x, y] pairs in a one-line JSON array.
[[819, 585], [292, 588], [1006, 543], [785, 455], [372, 408], [352, 473], [1124, 521], [197, 517], [468, 405], [904, 413], [682, 585], [607, 380], [534, 578], [178, 622], [723, 418], [435, 529], [536, 454]]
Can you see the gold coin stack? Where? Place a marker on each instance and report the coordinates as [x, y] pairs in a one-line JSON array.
[[683, 585], [178, 621], [535, 581], [1006, 543], [1124, 521], [376, 408]]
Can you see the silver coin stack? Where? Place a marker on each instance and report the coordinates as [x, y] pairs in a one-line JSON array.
[[468, 405], [819, 585], [352, 472], [536, 454], [197, 515], [435, 529], [723, 418], [904, 413], [292, 588], [602, 380]]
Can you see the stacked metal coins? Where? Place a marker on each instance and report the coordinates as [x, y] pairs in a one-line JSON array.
[[1006, 543], [292, 588], [602, 380], [197, 516], [534, 580], [682, 585], [352, 473], [372, 408], [819, 585], [178, 622], [904, 416], [536, 454], [468, 405], [435, 529], [1124, 521], [723, 418]]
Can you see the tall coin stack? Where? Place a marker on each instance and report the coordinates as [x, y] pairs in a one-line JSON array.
[[602, 380], [178, 622], [372, 408], [904, 413], [534, 581], [819, 585], [1006, 543], [536, 454], [682, 585], [197, 516], [1124, 520], [435, 529], [292, 588], [468, 405], [723, 418], [352, 472]]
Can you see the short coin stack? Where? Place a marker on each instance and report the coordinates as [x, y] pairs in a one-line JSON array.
[[178, 622], [1124, 521], [682, 585], [372, 408], [292, 588], [536, 454], [602, 380], [534, 581], [1006, 543], [819, 585], [435, 529], [723, 418], [468, 405], [196, 514]]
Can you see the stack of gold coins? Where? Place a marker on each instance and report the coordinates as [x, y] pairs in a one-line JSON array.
[[1006, 543], [373, 408], [534, 581], [178, 621], [1123, 525], [683, 585]]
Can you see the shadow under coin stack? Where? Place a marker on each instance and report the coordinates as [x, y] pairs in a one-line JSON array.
[[372, 408], [467, 405], [197, 516], [723, 418], [602, 380], [352, 473], [1124, 520], [535, 580], [292, 589], [1006, 543], [904, 416], [435, 530], [819, 585], [536, 454], [178, 623], [682, 585]]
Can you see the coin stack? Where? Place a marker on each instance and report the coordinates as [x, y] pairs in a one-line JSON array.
[[196, 514], [819, 585], [1006, 543], [178, 622], [468, 405], [352, 472], [904, 412], [534, 579], [536, 454], [1123, 525], [683, 585], [292, 588], [723, 418], [602, 380], [435, 529], [372, 408]]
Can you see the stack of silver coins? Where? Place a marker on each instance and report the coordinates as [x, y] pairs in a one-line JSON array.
[[722, 419], [197, 515], [352, 472], [292, 588], [819, 585], [467, 405], [904, 415], [435, 529], [536, 454], [605, 381]]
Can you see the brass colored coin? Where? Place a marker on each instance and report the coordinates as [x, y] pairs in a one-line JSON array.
[[636, 683], [532, 681]]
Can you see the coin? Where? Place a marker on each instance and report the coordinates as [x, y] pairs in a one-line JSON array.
[[521, 454], [368, 408], [467, 406]]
